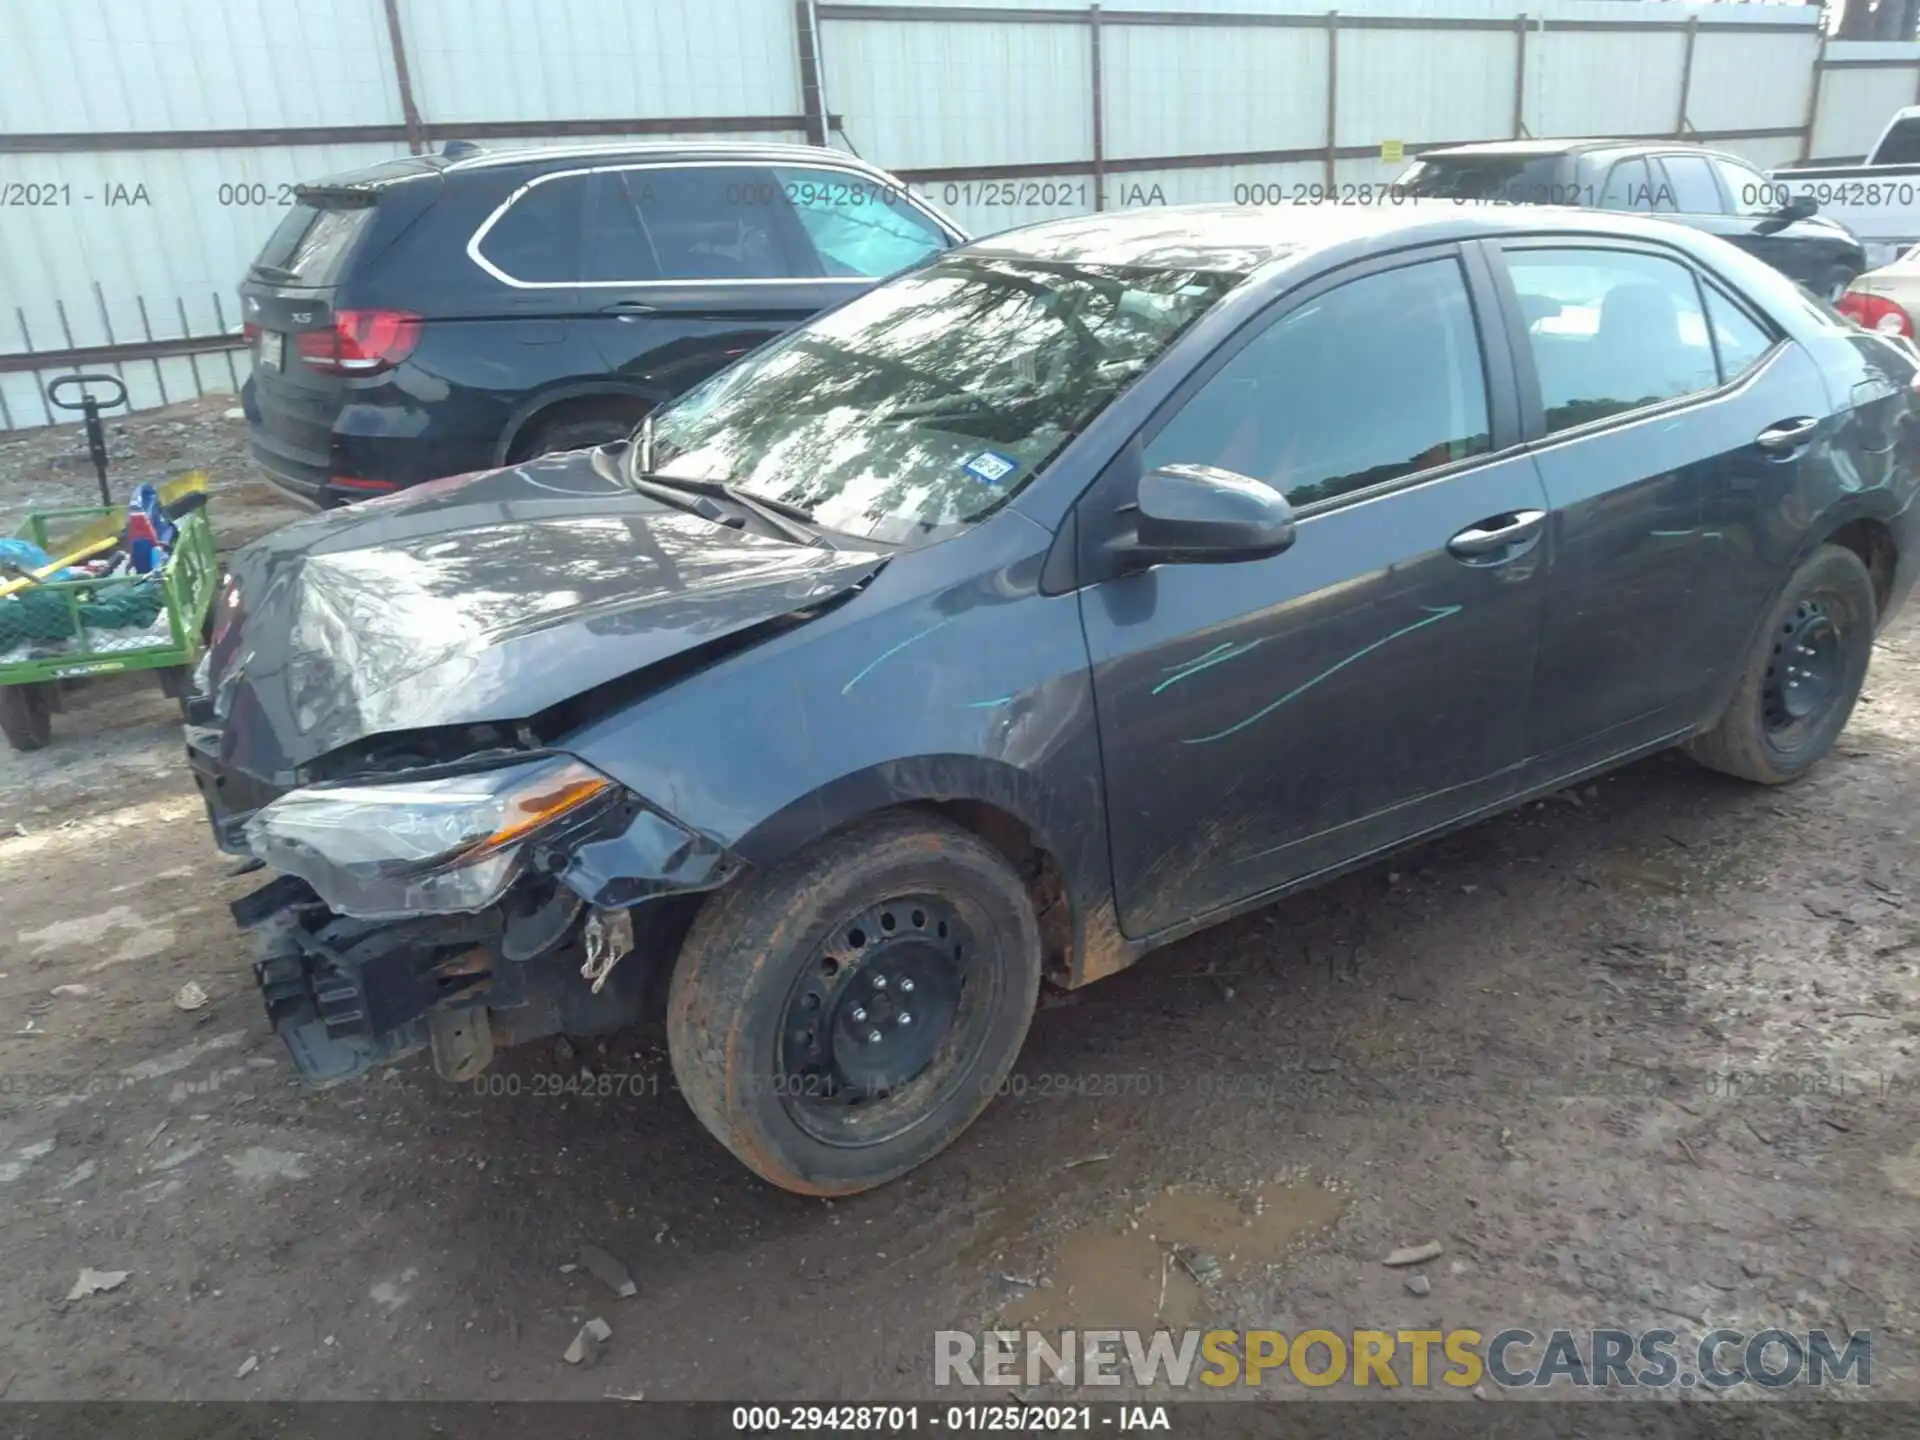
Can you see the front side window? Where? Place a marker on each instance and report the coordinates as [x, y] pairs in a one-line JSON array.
[[931, 399], [1610, 330], [1692, 182], [858, 225], [1746, 188], [1376, 379]]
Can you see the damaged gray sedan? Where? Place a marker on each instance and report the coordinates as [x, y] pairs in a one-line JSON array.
[[1049, 602]]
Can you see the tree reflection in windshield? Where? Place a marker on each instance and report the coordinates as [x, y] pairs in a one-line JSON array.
[[929, 400]]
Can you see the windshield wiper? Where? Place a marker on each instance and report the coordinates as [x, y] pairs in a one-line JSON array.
[[788, 521]]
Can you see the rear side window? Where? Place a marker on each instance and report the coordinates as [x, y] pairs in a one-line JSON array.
[[311, 244], [694, 222], [1694, 189], [1610, 331], [1628, 187], [1505, 179], [1901, 145], [858, 226], [1371, 381], [1740, 342], [537, 240]]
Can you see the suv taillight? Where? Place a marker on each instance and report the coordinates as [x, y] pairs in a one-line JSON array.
[[361, 342], [1875, 312]]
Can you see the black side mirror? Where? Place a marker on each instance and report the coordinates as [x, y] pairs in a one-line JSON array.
[[1197, 514], [1800, 207]]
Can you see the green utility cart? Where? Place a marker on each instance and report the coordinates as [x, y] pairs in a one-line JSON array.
[[59, 631]]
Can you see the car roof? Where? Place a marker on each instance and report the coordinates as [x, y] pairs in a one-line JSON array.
[[417, 167], [654, 150], [1243, 238], [1563, 147]]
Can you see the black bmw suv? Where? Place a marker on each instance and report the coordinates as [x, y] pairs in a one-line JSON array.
[[445, 313]]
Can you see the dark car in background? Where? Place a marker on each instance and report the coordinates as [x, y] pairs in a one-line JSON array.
[[444, 313], [1066, 594], [1690, 184]]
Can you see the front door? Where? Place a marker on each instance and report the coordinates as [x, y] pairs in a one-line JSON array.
[[1263, 721]]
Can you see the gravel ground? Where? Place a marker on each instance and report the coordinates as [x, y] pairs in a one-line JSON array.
[[1642, 1055]]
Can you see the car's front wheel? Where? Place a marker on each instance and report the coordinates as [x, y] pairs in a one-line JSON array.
[[842, 1017], [1802, 676]]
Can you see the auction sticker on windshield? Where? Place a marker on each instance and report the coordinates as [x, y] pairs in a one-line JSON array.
[[989, 468]]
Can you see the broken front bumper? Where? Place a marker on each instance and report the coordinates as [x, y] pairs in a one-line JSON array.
[[571, 948], [345, 995]]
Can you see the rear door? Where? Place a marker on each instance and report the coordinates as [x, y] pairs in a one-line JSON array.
[[1637, 439], [1263, 721], [689, 265]]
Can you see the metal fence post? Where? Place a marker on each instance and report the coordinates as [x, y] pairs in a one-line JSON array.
[[403, 79], [1333, 93], [1813, 99], [812, 103], [1520, 75], [1686, 77], [1099, 110]]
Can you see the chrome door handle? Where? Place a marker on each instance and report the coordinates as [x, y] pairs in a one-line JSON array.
[[1788, 434], [1495, 534]]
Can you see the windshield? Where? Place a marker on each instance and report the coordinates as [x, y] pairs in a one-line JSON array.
[[1507, 179], [935, 397]]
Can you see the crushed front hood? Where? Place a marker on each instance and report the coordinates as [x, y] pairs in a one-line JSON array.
[[483, 598]]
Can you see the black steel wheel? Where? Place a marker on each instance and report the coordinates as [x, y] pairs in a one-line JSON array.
[[889, 1008], [1801, 678], [840, 1018]]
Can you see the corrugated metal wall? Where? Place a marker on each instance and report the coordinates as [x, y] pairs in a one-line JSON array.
[[1868, 80], [146, 145]]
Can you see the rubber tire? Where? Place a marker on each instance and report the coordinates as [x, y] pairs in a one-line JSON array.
[[1738, 744], [1833, 283], [736, 969], [176, 682], [26, 715], [581, 432]]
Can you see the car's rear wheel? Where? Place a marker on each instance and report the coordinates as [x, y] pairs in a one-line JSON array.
[[841, 1018], [26, 714], [578, 430], [1802, 677]]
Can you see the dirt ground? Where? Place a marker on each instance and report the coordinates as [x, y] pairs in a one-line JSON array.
[[1642, 1055]]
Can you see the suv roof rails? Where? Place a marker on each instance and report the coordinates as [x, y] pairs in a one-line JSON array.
[[459, 149]]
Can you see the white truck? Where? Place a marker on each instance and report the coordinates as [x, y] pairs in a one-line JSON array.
[[1878, 199]]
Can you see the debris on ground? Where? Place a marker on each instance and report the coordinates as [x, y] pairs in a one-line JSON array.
[[587, 1345], [1419, 1285], [93, 1282], [190, 996], [1200, 1265], [72, 992], [1414, 1254], [608, 1269], [247, 1367]]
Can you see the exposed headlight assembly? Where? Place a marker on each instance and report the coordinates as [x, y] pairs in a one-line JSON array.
[[443, 846]]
